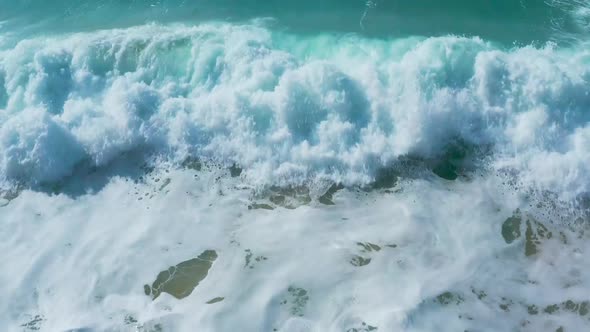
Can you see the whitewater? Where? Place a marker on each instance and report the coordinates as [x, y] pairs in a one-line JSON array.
[[331, 165]]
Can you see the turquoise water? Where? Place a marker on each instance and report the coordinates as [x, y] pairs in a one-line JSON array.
[[504, 20], [353, 166]]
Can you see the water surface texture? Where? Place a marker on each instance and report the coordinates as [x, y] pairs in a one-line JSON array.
[[327, 165]]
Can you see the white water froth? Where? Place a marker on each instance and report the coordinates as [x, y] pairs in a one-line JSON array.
[[289, 109], [80, 264]]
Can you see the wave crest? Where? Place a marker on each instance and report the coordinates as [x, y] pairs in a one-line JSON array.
[[289, 109]]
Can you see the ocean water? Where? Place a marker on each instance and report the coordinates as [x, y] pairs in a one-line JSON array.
[[330, 165]]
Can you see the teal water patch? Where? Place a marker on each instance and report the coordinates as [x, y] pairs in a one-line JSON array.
[[507, 20]]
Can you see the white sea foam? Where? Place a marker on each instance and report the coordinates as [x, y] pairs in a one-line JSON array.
[[437, 258]]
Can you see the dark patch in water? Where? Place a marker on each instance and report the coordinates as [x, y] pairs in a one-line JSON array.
[[215, 300], [298, 298], [448, 298], [192, 163], [386, 178], [479, 293], [34, 324], [3, 92], [248, 257], [551, 309], [580, 308], [511, 229], [368, 247], [534, 234], [533, 309], [130, 320], [3, 202], [251, 263], [328, 196], [256, 206], [360, 261], [446, 170], [180, 280], [278, 199], [7, 195], [235, 171], [165, 184], [289, 197], [450, 164], [363, 328]]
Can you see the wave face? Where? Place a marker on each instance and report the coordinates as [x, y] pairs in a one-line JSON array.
[[172, 165], [288, 108]]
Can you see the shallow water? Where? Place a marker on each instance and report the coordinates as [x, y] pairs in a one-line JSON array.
[[294, 166]]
